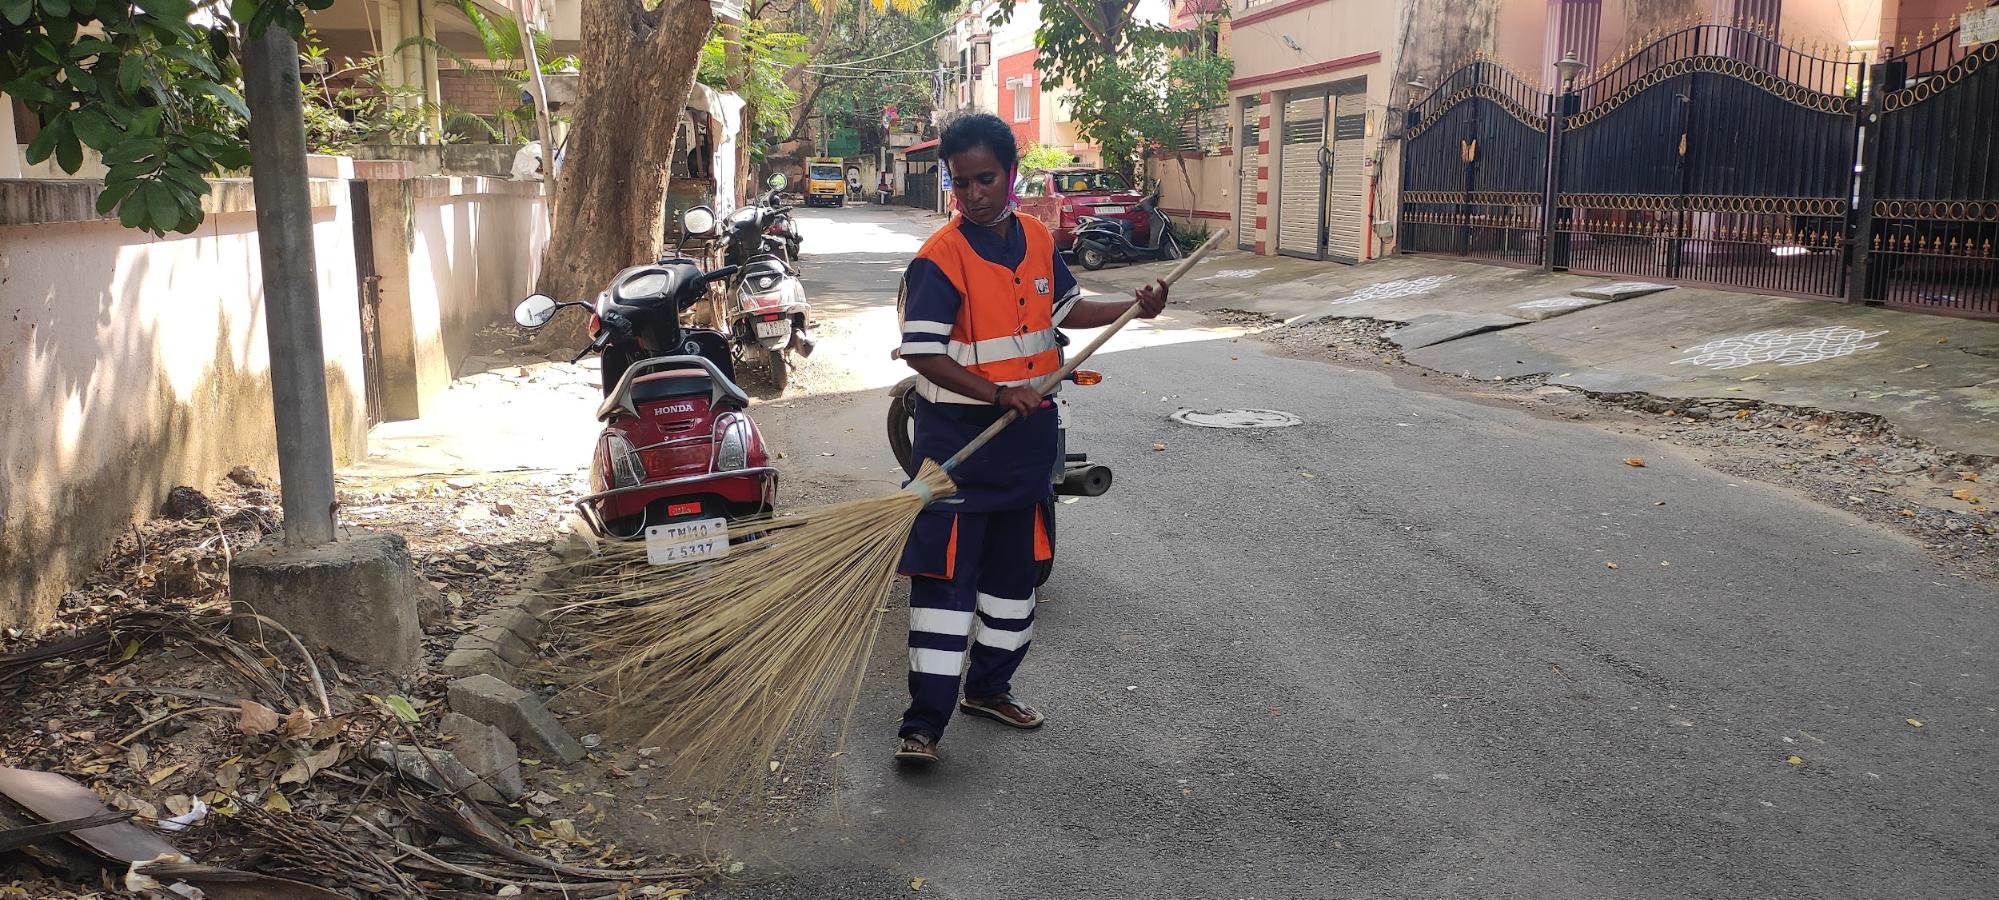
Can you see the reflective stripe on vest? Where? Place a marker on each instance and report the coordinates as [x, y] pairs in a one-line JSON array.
[[1005, 331]]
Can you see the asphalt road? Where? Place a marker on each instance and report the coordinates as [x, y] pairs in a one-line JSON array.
[[1384, 654]]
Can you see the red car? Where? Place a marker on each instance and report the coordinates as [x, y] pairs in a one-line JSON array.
[[1059, 197]]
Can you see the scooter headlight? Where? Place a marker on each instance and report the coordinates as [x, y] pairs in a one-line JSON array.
[[622, 462], [732, 448]]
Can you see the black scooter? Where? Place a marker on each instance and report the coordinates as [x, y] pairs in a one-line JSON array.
[[1101, 240]]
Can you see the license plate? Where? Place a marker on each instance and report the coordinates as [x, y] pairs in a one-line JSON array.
[[685, 542], [1109, 210], [779, 328]]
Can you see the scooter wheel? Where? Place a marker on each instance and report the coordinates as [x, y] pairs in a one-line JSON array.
[[1091, 258], [780, 370], [901, 434], [1043, 569]]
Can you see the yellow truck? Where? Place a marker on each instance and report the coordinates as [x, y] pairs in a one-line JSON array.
[[825, 185]]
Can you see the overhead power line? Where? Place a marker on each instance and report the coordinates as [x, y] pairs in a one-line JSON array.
[[858, 62]]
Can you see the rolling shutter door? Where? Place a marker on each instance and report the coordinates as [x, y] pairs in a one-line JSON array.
[[1301, 190], [1247, 162], [1346, 208]]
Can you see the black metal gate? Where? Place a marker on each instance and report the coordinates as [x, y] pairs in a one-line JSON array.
[[1475, 167], [919, 184], [1714, 154], [1929, 188], [1718, 155]]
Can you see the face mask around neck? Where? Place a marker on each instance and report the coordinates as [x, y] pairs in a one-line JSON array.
[[1004, 214]]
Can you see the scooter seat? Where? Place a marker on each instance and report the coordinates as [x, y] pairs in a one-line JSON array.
[[763, 264], [689, 383], [651, 380]]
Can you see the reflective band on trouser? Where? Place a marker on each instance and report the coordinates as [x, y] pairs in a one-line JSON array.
[[1002, 639], [941, 621], [1002, 608], [936, 662]]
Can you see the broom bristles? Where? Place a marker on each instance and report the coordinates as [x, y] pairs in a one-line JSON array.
[[736, 663]]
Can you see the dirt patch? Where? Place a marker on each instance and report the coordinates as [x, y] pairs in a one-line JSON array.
[[137, 692], [1858, 463]]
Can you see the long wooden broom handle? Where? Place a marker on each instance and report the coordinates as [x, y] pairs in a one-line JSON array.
[[1056, 377]]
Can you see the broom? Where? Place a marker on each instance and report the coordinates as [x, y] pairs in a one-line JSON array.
[[730, 663]]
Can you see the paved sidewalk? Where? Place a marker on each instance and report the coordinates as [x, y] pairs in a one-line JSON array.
[[1933, 377]]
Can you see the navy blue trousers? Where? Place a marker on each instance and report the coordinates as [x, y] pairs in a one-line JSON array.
[[968, 569]]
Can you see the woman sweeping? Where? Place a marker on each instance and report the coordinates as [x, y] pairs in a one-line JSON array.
[[980, 306]]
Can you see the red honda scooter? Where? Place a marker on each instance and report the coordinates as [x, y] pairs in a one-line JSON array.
[[677, 445]]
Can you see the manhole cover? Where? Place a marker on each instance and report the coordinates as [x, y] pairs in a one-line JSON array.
[[1236, 418]]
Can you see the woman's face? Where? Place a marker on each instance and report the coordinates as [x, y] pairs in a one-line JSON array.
[[979, 182]]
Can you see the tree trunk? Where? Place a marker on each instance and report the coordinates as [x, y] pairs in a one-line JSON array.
[[804, 112], [736, 64], [638, 68]]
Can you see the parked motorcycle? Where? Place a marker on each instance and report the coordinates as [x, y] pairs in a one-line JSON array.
[[677, 446], [767, 315], [1102, 240], [782, 225], [1073, 476]]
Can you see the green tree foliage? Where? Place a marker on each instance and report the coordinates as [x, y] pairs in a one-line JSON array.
[[365, 110], [1134, 82], [501, 39], [760, 56], [151, 85], [874, 55], [1041, 158]]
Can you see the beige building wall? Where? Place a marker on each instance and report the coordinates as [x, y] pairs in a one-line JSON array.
[[131, 364], [1283, 47], [1198, 190]]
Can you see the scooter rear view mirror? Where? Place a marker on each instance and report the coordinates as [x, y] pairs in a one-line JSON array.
[[698, 221], [535, 311]]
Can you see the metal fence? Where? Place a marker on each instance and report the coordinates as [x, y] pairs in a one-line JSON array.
[[1475, 166], [1718, 155], [1929, 187]]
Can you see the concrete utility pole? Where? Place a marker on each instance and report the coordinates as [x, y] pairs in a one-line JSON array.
[[291, 286], [533, 58], [357, 596]]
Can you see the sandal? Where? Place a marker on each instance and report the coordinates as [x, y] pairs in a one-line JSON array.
[[1002, 708], [916, 748]]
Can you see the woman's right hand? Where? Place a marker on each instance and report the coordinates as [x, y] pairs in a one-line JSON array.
[[1022, 400]]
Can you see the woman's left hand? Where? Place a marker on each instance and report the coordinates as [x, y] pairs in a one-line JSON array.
[[1151, 300]]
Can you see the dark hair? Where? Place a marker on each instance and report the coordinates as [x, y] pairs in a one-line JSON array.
[[970, 129]]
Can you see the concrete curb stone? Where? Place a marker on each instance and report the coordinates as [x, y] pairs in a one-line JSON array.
[[516, 712]]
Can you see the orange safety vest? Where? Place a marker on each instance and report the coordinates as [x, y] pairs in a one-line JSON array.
[[1005, 331]]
